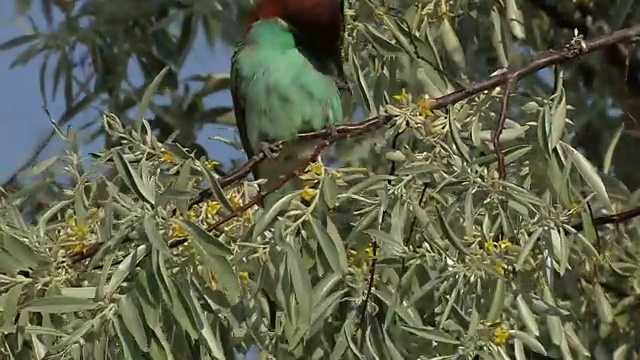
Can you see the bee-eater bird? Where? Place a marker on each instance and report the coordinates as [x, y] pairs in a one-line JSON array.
[[285, 80]]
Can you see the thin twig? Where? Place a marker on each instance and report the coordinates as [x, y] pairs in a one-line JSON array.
[[502, 171], [374, 248]]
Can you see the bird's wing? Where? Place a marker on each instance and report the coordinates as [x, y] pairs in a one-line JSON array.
[[239, 105]]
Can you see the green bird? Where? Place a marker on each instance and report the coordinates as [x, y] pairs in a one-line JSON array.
[[284, 81]]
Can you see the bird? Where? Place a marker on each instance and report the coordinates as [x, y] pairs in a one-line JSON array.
[[286, 78]]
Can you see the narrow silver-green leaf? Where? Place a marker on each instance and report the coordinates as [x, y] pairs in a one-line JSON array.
[[146, 97], [154, 235], [131, 319], [57, 304], [529, 341], [431, 334], [527, 316], [205, 240], [125, 268], [265, 220], [145, 191], [333, 251], [588, 173]]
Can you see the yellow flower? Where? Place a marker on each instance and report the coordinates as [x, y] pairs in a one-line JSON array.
[[167, 157], [235, 200], [444, 10], [500, 335], [499, 267], [402, 97], [505, 244], [369, 251], [379, 13], [213, 207], [574, 209], [489, 246], [177, 231], [191, 215], [425, 106], [316, 168], [211, 164], [77, 230], [244, 277], [79, 248], [308, 194]]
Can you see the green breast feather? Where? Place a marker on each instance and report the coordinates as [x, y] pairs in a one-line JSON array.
[[278, 89]]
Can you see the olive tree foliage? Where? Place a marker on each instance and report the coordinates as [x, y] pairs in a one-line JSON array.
[[428, 250]]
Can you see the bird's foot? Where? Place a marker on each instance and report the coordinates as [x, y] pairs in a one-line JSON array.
[[333, 131], [270, 150]]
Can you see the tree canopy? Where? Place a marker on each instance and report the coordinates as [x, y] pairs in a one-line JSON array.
[[481, 197]]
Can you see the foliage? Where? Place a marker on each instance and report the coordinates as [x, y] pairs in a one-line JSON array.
[[427, 252]]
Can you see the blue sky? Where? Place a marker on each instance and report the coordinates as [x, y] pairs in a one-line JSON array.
[[23, 123]]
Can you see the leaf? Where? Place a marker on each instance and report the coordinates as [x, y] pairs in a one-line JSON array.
[[267, 217], [155, 238], [474, 323], [131, 177], [499, 294], [57, 304], [125, 268], [146, 97], [18, 41], [22, 253], [10, 307], [529, 341], [363, 86], [527, 316], [172, 297], [454, 132], [333, 250], [608, 156], [215, 255], [391, 348], [528, 246], [588, 173], [323, 311], [215, 187], [426, 289], [301, 285], [128, 344], [87, 292], [42, 330], [452, 44], [213, 342], [77, 334], [450, 234], [430, 334], [574, 341], [558, 119], [382, 44], [131, 319], [518, 349], [42, 166], [203, 239], [603, 307], [497, 38], [515, 19]]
